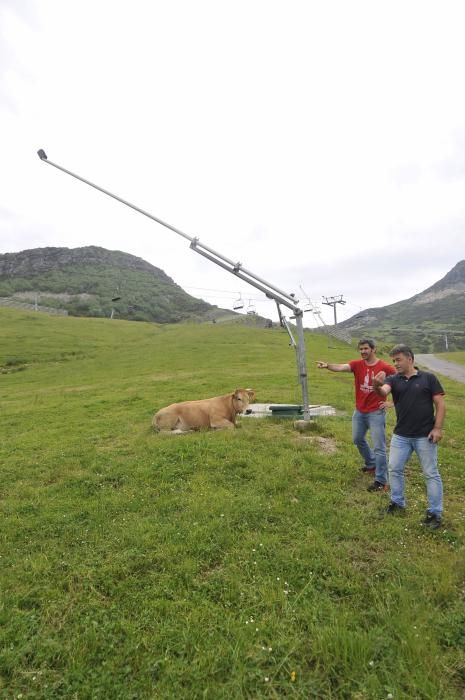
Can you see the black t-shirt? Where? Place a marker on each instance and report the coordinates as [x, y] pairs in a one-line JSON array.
[[413, 400]]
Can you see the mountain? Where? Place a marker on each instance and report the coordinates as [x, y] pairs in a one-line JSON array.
[[432, 320], [84, 281]]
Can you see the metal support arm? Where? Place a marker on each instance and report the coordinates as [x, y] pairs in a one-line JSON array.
[[234, 268]]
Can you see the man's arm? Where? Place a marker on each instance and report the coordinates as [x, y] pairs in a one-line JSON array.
[[333, 367], [379, 386], [440, 406]]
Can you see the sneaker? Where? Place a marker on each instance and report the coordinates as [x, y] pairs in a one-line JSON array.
[[367, 470], [377, 486], [393, 508], [432, 521]]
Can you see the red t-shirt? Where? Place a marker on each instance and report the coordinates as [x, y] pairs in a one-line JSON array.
[[366, 399]]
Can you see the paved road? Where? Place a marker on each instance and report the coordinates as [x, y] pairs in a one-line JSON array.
[[449, 369]]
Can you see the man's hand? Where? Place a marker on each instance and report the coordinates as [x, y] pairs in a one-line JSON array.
[[386, 404], [435, 435], [379, 379], [322, 365]]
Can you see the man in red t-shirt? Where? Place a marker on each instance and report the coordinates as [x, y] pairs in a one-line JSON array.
[[369, 411]]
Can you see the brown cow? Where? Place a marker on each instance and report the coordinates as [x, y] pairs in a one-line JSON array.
[[219, 412]]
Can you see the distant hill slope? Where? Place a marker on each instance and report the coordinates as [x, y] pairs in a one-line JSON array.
[[421, 320], [85, 280]]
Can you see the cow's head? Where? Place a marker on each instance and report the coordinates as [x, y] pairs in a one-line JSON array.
[[241, 399]]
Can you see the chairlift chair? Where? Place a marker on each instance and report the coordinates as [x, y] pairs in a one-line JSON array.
[[251, 307], [238, 304]]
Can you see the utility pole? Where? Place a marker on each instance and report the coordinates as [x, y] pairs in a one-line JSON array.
[[332, 301]]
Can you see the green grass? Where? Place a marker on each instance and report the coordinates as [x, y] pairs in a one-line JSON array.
[[458, 357], [245, 564]]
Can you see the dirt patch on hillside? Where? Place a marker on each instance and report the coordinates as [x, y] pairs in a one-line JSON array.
[[326, 445], [61, 296]]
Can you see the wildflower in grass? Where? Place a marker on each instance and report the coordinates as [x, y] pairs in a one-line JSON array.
[[292, 676]]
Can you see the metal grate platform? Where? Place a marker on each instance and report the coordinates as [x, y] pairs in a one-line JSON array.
[[273, 410]]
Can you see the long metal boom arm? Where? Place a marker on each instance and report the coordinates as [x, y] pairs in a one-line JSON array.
[[235, 268]]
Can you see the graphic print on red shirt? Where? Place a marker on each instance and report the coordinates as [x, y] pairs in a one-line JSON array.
[[366, 399]]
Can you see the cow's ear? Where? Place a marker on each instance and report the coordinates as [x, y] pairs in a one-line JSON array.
[[251, 394]]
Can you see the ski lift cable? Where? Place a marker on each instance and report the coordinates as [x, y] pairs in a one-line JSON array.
[[224, 292]]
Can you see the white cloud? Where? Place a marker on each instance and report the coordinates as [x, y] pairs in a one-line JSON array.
[[318, 143]]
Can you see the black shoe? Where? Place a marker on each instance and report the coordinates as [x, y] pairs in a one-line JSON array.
[[393, 508], [377, 486], [368, 470], [432, 521]]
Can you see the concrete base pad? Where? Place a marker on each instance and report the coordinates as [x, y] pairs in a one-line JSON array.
[[263, 410]]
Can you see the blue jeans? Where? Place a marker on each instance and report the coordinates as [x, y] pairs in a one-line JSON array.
[[375, 422], [427, 452]]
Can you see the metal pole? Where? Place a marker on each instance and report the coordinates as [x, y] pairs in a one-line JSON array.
[[332, 301], [235, 268], [239, 274], [195, 242], [302, 364]]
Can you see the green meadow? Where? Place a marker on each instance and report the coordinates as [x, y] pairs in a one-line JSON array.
[[218, 565], [458, 357]]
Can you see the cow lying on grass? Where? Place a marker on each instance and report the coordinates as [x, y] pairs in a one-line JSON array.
[[219, 412]]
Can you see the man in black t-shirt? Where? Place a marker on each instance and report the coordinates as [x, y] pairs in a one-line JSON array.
[[420, 409]]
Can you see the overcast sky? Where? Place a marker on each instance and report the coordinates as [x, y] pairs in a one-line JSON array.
[[322, 144]]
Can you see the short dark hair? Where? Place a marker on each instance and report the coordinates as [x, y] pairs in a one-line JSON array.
[[367, 341], [404, 349]]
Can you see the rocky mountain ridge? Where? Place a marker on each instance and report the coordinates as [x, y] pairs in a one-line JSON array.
[[94, 281], [433, 319]]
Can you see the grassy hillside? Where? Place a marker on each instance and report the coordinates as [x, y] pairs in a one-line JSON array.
[[85, 281], [251, 564], [458, 357], [88, 291], [425, 333], [422, 321]]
